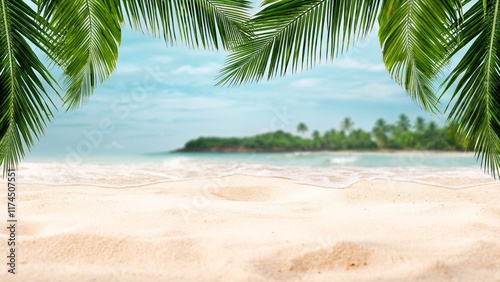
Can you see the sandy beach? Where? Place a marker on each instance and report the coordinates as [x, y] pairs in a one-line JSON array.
[[245, 228]]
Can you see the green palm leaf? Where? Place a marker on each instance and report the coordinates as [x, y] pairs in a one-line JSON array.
[[293, 34], [414, 36], [195, 23], [25, 106], [88, 33], [475, 104]]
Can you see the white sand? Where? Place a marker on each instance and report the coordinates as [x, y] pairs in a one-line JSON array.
[[256, 229]]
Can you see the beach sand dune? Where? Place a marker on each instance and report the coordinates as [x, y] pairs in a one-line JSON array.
[[244, 228]]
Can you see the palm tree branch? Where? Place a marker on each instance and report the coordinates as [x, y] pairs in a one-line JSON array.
[[283, 29], [88, 33], [24, 102], [290, 33], [414, 36], [475, 103]]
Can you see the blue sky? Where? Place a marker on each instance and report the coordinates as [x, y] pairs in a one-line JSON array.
[[160, 96]]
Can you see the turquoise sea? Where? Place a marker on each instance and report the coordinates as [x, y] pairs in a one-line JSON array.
[[332, 159], [325, 169]]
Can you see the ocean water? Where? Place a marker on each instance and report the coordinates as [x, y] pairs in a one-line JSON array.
[[325, 169]]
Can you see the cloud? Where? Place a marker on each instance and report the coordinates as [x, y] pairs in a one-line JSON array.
[[305, 83], [387, 92], [162, 59], [382, 91], [199, 70], [116, 145], [190, 103], [349, 63], [350, 91]]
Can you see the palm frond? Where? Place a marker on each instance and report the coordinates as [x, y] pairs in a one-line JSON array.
[[475, 104], [296, 34], [195, 23], [25, 106], [414, 36], [87, 33]]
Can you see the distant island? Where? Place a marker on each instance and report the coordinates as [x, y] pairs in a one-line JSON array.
[[421, 135]]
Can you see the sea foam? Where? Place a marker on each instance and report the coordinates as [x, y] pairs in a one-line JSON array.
[[339, 174]]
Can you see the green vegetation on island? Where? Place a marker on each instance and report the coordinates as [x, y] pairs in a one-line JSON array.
[[403, 135]]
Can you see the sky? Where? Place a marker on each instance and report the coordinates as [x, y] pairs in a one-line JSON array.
[[160, 96]]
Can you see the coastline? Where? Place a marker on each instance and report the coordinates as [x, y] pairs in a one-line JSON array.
[[339, 152], [324, 169], [243, 228]]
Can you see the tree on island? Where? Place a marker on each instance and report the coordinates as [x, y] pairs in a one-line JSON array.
[[316, 140], [302, 128], [401, 132], [380, 131], [346, 125], [420, 125], [404, 123]]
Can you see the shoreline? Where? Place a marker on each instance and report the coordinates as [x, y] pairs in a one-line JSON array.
[[245, 228], [359, 152]]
